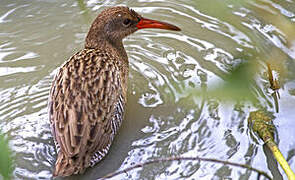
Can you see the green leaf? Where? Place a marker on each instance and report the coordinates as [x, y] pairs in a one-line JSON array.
[[6, 164]]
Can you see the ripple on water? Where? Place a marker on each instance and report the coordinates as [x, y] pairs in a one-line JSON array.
[[165, 67], [25, 120], [32, 141]]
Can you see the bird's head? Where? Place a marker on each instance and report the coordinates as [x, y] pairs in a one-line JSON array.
[[113, 24]]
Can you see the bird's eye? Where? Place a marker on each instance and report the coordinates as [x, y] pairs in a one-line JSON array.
[[126, 22]]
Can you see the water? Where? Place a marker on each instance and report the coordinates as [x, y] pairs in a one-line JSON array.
[[164, 118]]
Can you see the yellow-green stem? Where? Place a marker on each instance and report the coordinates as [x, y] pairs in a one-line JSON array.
[[280, 158]]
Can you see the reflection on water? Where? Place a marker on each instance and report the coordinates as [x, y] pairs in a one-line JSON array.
[[163, 118]]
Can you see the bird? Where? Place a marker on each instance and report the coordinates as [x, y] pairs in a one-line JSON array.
[[88, 94]]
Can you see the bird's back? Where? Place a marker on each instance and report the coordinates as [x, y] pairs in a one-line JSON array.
[[86, 107]]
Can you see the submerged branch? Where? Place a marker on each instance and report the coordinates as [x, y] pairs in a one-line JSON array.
[[185, 159]]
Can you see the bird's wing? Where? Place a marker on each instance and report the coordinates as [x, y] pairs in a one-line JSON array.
[[83, 101]]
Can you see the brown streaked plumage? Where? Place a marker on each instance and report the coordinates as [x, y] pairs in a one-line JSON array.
[[88, 94]]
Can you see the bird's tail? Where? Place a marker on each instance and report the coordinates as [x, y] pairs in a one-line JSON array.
[[67, 166]]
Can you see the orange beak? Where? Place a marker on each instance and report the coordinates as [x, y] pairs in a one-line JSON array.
[[149, 23]]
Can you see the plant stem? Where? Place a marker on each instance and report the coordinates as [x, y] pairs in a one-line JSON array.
[[280, 158], [185, 159]]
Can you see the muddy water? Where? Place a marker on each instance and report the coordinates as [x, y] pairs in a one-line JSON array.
[[164, 118]]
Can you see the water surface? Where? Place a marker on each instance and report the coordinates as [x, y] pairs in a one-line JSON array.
[[164, 118]]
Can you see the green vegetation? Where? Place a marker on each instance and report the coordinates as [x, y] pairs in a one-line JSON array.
[[261, 123], [6, 165]]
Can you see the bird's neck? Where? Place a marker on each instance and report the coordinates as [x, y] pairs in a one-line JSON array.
[[95, 41]]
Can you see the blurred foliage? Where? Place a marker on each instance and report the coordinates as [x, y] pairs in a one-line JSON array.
[[272, 15], [237, 84], [273, 23], [84, 11], [6, 163], [273, 35], [269, 12]]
